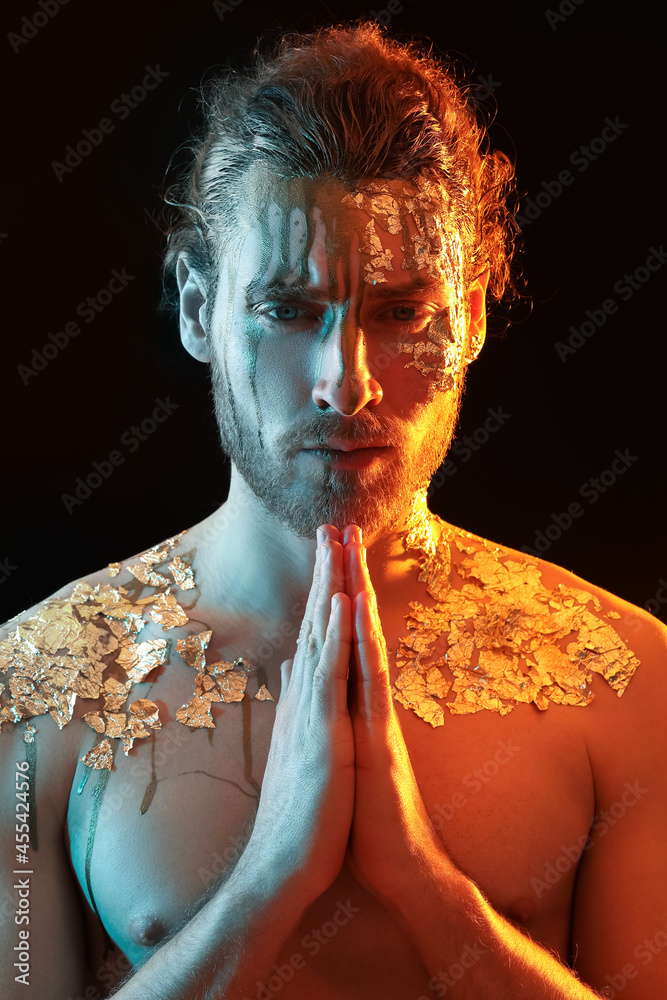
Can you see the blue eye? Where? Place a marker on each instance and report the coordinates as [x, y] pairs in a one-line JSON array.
[[282, 310], [404, 309]]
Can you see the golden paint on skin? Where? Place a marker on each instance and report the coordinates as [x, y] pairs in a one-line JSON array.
[[503, 628]]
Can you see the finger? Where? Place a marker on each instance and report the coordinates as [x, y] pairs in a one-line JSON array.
[[329, 532], [331, 580], [373, 688], [356, 573], [285, 676], [329, 687], [307, 624], [352, 533], [323, 533]]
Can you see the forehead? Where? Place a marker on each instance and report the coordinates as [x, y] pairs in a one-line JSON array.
[[395, 225]]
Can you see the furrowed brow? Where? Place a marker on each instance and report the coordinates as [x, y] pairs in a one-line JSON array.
[[281, 291], [387, 291]]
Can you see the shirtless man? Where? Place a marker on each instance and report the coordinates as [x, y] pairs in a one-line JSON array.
[[454, 800]]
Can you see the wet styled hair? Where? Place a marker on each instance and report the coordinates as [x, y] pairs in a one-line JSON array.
[[349, 102]]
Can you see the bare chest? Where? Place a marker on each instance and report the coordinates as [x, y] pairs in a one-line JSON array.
[[511, 798]]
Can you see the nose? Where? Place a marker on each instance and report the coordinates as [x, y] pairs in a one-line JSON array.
[[345, 382]]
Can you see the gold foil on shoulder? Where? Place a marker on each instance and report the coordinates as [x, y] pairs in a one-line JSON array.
[[510, 640], [82, 592], [142, 718], [114, 723], [612, 614], [182, 573], [232, 685], [196, 713], [114, 568], [148, 576], [167, 612], [95, 721], [193, 648], [64, 650], [264, 694], [159, 553], [138, 659], [411, 691]]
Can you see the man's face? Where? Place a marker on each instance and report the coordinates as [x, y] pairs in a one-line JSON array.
[[339, 322]]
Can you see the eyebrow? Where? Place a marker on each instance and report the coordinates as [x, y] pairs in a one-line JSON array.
[[417, 284], [302, 291]]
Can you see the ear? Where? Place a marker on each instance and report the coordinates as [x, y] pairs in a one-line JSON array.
[[192, 310], [477, 300]]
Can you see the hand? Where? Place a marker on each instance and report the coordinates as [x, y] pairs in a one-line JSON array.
[[305, 809], [391, 831]]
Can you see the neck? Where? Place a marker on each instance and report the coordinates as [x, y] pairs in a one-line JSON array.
[[252, 564]]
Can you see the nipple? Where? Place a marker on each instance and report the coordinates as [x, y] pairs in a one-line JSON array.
[[147, 930], [520, 910]]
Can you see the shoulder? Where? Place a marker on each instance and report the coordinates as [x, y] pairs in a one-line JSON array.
[[75, 656], [569, 635]]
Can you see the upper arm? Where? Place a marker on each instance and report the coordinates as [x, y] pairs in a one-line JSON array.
[[620, 913], [40, 897]]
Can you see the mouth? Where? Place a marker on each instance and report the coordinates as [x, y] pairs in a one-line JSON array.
[[350, 457]]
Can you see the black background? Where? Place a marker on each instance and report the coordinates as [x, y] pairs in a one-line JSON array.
[[554, 85]]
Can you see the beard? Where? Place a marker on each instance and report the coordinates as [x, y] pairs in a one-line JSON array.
[[377, 498]]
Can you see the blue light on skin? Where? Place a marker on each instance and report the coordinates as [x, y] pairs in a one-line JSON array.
[[326, 370]]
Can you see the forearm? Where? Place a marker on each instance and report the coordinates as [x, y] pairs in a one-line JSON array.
[[230, 944], [465, 944]]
